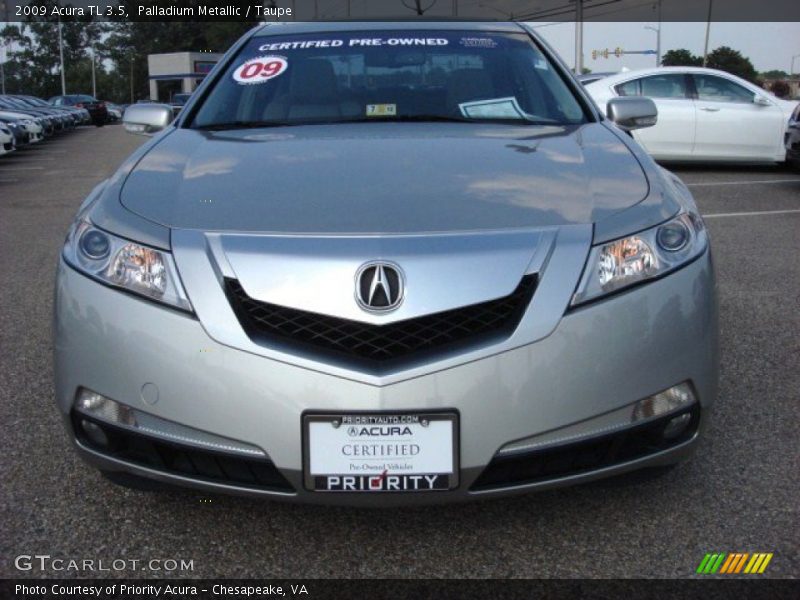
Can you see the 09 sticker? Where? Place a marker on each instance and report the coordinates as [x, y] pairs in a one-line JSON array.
[[260, 69]]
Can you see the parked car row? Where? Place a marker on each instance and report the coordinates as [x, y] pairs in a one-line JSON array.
[[97, 108], [706, 115], [28, 120]]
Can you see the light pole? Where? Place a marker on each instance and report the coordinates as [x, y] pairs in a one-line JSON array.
[[94, 78], [708, 30], [658, 42], [3, 53], [61, 56], [791, 71], [579, 37], [658, 34], [132, 55]]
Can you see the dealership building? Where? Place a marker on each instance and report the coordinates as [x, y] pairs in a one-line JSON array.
[[178, 72]]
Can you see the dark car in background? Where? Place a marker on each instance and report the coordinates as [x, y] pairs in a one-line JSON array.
[[80, 115], [65, 119], [793, 140], [96, 108]]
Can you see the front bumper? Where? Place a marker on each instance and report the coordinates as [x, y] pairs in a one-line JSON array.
[[599, 358]]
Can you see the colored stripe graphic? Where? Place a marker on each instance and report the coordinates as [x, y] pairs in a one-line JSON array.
[[717, 564], [765, 563], [703, 563], [741, 563], [734, 563], [732, 560]]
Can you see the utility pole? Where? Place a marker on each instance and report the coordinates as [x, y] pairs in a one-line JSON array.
[[708, 30], [61, 55], [578, 37], [658, 42], [131, 76], [4, 49], [94, 78], [658, 37], [791, 71]]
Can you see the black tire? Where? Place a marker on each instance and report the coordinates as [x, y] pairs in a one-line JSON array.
[[100, 124]]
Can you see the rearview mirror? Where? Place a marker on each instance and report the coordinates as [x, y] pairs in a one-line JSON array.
[[146, 119], [631, 113], [760, 100]]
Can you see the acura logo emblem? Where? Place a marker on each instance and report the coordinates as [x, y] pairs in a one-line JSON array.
[[379, 286]]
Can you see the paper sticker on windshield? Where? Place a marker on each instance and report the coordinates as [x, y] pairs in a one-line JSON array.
[[497, 108], [381, 110], [259, 70]]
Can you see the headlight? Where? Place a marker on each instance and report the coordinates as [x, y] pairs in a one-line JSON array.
[[125, 264], [616, 265]]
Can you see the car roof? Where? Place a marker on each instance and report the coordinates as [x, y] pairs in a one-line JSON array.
[[635, 73], [287, 28]]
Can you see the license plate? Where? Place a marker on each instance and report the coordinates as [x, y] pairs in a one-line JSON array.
[[378, 452]]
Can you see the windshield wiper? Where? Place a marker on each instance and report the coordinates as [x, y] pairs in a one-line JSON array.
[[240, 125]]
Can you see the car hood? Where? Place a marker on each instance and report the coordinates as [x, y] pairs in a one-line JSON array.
[[14, 115], [384, 178]]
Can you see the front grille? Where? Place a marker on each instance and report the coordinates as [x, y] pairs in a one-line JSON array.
[[583, 456], [380, 345], [181, 459]]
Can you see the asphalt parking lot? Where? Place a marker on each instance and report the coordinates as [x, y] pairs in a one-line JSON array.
[[739, 494]]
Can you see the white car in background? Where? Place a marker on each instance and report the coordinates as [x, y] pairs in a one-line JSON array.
[[6, 140], [31, 124], [703, 114]]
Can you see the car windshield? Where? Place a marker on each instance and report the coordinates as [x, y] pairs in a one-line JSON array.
[[389, 75]]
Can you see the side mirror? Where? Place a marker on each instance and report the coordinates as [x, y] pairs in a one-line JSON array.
[[146, 119], [632, 112], [760, 100]]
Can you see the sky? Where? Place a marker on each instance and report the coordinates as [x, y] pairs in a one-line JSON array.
[[768, 45]]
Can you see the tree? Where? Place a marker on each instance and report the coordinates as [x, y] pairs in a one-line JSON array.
[[774, 74], [33, 65], [681, 58], [732, 61], [780, 88]]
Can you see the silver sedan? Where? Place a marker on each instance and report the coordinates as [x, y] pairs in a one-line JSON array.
[[386, 263]]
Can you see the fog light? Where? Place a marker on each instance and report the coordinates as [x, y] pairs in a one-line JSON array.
[[98, 406], [675, 400], [94, 432], [677, 426], [101, 408], [662, 403]]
